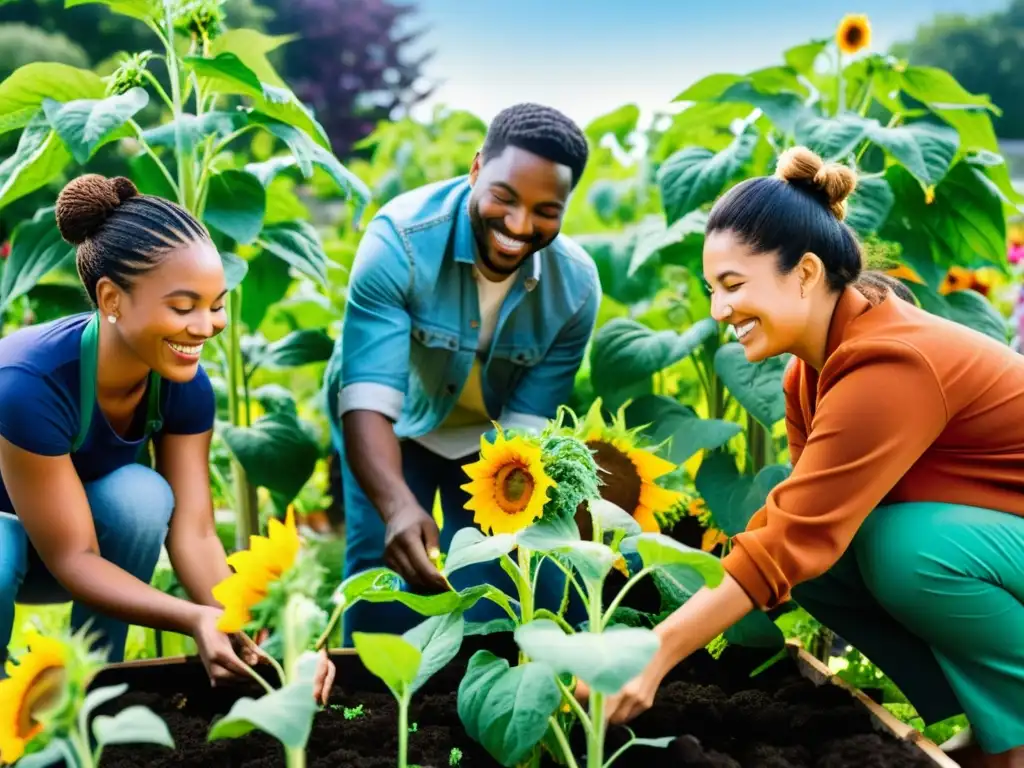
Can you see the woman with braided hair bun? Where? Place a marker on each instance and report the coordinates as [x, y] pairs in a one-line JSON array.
[[80, 518], [901, 526]]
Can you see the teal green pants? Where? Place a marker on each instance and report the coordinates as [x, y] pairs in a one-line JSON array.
[[933, 594]]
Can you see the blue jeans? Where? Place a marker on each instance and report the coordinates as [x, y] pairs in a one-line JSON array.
[[131, 509], [425, 472]]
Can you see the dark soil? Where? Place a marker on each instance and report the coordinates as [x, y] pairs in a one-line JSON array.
[[723, 718]]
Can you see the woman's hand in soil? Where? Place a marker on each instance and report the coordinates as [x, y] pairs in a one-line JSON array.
[[323, 680], [635, 698], [216, 649], [410, 534]]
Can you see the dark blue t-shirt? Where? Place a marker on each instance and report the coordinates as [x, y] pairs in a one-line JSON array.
[[39, 402]]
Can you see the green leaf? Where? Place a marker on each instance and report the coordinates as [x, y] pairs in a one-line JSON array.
[[224, 71], [870, 205], [625, 352], [276, 452], [676, 584], [733, 498], [802, 57], [964, 224], [833, 138], [133, 725], [605, 661], [235, 269], [548, 534], [756, 386], [669, 421], [36, 249], [926, 150], [97, 697], [393, 659], [265, 284], [937, 87], [506, 709], [298, 244], [22, 94], [657, 550], [195, 129], [591, 559], [298, 348], [235, 205], [694, 176], [39, 158], [438, 640], [58, 751], [286, 714], [620, 123], [84, 125], [470, 546], [489, 627], [611, 517], [969, 308], [137, 9], [437, 604], [683, 239], [308, 153]]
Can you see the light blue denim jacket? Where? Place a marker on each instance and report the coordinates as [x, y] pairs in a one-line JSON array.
[[409, 335]]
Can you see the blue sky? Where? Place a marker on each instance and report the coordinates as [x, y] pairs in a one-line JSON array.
[[588, 57]]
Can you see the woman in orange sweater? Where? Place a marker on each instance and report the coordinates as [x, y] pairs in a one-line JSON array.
[[901, 526]]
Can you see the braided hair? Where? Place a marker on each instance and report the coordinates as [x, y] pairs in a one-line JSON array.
[[118, 232], [544, 131]]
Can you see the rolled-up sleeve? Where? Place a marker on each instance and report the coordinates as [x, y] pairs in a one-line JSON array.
[[376, 328], [549, 383], [881, 407]]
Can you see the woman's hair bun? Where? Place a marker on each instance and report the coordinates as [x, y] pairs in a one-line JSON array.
[[832, 181], [87, 201]]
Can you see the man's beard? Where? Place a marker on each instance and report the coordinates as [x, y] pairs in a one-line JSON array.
[[481, 232]]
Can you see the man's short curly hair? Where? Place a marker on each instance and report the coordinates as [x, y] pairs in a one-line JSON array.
[[542, 130]]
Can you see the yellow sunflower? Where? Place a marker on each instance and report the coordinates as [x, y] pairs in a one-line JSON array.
[[35, 683], [267, 559], [853, 33], [508, 487], [629, 471]]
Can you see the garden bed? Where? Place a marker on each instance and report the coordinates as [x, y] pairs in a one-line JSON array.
[[789, 715]]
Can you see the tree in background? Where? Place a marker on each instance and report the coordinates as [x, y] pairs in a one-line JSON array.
[[985, 53], [351, 66]]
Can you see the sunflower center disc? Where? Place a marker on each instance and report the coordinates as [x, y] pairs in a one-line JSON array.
[[515, 486], [620, 481]]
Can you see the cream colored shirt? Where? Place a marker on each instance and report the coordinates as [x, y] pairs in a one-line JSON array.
[[460, 433]]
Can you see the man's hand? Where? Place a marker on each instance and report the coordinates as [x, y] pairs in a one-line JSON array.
[[635, 698], [216, 649], [410, 535], [323, 680]]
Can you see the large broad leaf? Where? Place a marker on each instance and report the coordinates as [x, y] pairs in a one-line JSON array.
[[393, 659], [605, 661], [286, 714], [298, 244], [620, 122], [926, 150], [968, 308], [308, 153], [438, 640], [669, 421], [57, 752], [870, 205], [625, 352], [802, 57], [235, 204], [438, 604], [964, 224], [734, 498], [657, 550], [36, 248], [194, 129], [84, 125], [694, 175], [757, 386], [756, 630], [591, 559], [39, 158], [276, 452], [132, 725], [936, 87], [235, 269], [681, 243], [470, 546], [225, 71], [833, 137], [265, 284], [137, 9], [22, 94], [298, 348], [549, 534], [506, 709]]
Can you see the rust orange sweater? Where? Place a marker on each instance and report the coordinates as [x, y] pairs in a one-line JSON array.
[[907, 407]]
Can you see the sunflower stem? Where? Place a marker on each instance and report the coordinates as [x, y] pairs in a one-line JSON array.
[[595, 736], [259, 679], [294, 757], [525, 592], [332, 623]]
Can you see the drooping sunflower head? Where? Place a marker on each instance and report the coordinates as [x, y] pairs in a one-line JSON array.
[[268, 559], [508, 485], [629, 470], [853, 33]]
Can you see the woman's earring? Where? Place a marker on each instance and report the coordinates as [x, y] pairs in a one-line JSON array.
[[111, 319]]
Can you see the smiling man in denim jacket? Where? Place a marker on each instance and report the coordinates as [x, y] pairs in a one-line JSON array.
[[466, 305]]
